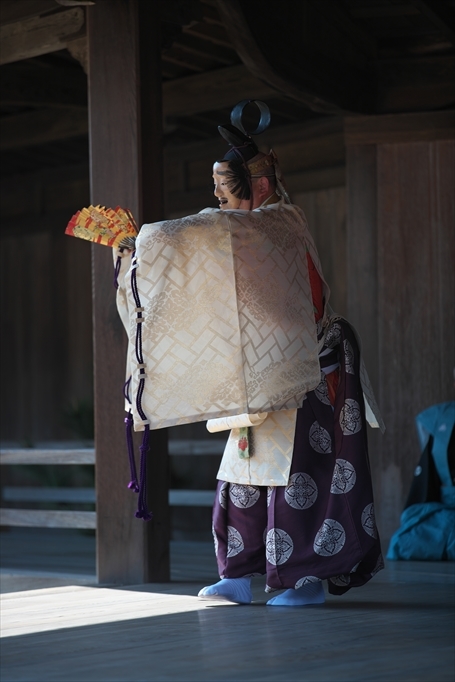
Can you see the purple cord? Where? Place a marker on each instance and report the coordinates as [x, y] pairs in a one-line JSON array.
[[133, 484], [118, 264], [142, 510], [126, 390]]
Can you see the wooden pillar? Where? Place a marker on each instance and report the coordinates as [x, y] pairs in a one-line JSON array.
[[401, 250], [125, 111]]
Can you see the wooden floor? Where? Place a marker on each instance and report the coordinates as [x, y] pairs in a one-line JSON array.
[[62, 626]]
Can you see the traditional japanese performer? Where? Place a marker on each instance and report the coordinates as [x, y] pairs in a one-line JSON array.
[[228, 320]]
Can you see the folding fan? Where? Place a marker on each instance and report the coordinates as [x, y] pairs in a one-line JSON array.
[[108, 226]]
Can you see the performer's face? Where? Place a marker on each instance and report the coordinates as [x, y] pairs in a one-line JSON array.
[[221, 191]]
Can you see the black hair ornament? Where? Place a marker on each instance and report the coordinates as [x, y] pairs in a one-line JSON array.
[[244, 149]]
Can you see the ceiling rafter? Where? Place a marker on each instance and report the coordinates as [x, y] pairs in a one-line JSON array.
[[212, 34], [334, 79], [193, 46], [334, 11], [13, 11], [188, 65], [440, 14], [376, 11], [40, 35]]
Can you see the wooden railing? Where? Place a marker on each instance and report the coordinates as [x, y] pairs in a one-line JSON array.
[[52, 518]]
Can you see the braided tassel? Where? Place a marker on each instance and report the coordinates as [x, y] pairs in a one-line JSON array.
[[142, 510], [133, 484]]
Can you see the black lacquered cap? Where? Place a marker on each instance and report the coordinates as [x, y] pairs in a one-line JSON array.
[[243, 148]]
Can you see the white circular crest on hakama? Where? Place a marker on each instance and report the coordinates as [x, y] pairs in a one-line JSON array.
[[379, 565], [368, 521], [235, 542], [269, 494], [278, 546], [222, 497], [333, 336], [215, 540], [320, 439], [306, 580], [301, 492], [348, 357], [340, 580], [244, 496], [344, 477], [321, 391], [330, 538], [350, 417]]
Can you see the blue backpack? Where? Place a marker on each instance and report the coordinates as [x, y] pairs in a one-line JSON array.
[[427, 530]]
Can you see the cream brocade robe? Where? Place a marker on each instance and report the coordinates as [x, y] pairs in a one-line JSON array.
[[228, 327]]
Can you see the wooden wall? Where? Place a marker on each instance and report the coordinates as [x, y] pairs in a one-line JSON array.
[[401, 284], [325, 210], [46, 358]]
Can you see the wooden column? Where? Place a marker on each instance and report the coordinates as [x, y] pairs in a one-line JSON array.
[[125, 112], [401, 280]]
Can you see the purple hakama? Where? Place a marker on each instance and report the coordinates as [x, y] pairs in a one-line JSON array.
[[321, 525]]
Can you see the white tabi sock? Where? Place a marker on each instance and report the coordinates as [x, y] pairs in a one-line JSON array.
[[237, 590], [308, 595]]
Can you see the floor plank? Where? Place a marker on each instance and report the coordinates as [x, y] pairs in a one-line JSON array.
[[399, 627]]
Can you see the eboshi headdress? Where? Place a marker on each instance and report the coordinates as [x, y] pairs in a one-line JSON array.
[[244, 149]]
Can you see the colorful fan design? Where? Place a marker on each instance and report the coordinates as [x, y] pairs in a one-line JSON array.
[[109, 226]]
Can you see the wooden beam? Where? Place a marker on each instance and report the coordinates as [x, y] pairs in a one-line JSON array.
[[399, 47], [182, 97], [43, 518], [177, 448], [314, 133], [41, 127], [38, 493], [418, 83], [212, 33], [412, 83], [373, 11], [192, 45], [36, 456], [13, 11], [186, 96], [212, 90], [307, 59], [40, 35], [126, 169], [391, 128], [440, 13], [335, 12], [177, 498]]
